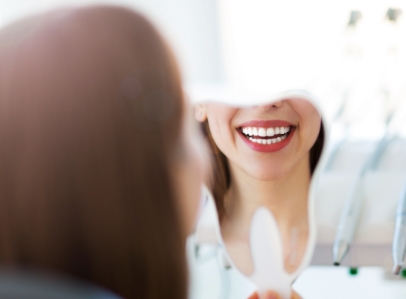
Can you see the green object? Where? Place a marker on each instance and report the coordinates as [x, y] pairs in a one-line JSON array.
[[403, 273], [353, 271]]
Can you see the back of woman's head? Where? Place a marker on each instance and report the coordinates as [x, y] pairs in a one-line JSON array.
[[90, 120]]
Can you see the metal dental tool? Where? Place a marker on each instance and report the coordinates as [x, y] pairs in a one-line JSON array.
[[399, 237], [352, 207]]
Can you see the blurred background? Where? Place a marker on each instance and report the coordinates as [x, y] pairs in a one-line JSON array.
[[350, 50], [351, 54], [192, 27]]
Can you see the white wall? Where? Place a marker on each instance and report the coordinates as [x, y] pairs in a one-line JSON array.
[[191, 27]]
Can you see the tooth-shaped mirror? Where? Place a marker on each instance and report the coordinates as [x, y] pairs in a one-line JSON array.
[[265, 159]]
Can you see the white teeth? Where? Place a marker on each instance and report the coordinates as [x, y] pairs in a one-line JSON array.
[[270, 132], [267, 141], [262, 132], [252, 132]]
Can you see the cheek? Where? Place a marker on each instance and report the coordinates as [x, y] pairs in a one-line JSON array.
[[220, 117], [219, 134], [222, 134], [310, 120], [305, 110], [313, 128]]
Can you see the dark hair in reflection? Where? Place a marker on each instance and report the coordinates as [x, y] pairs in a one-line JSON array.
[[91, 108], [220, 176]]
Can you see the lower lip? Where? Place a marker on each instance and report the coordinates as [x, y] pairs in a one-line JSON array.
[[267, 148]]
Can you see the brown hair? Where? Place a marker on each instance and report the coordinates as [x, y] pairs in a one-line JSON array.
[[221, 179], [90, 117]]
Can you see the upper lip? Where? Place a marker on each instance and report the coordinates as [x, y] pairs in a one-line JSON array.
[[266, 123]]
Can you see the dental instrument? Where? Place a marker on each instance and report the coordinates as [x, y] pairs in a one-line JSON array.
[[399, 237], [350, 214]]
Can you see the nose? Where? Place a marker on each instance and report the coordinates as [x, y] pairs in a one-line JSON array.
[[272, 105]]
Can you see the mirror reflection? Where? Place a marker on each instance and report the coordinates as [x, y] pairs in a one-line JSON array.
[[263, 156]]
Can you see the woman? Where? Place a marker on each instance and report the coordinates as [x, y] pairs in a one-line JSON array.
[[94, 154], [263, 156]]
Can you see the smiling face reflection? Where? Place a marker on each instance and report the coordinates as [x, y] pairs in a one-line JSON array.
[[266, 142], [268, 153]]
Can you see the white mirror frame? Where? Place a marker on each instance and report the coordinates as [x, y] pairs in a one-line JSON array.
[[269, 272]]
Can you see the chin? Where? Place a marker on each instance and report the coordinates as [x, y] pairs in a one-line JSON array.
[[266, 175]]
